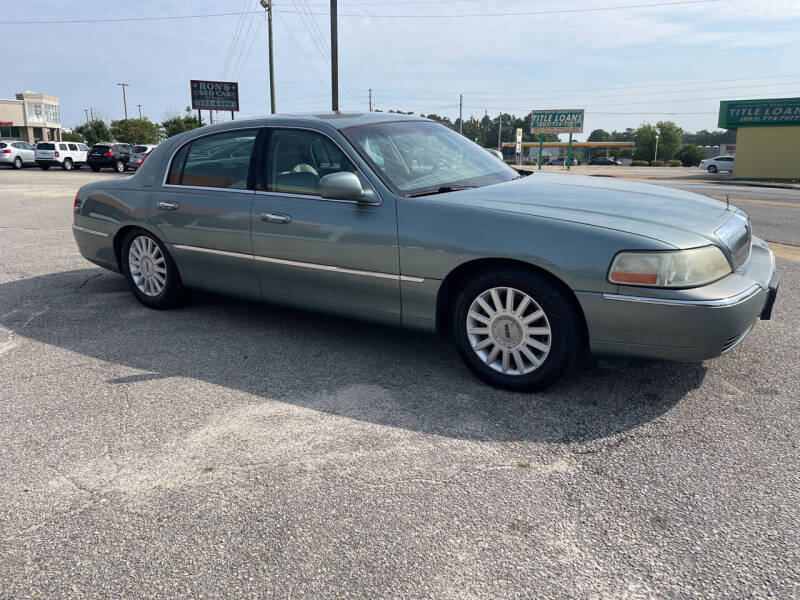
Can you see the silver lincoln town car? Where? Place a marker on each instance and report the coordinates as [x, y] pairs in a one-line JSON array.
[[402, 221]]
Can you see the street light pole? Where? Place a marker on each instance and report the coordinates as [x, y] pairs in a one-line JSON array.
[[656, 154], [334, 58], [140, 111], [267, 4], [124, 100]]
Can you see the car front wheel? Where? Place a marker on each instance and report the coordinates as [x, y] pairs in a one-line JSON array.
[[712, 169], [150, 271], [516, 329]]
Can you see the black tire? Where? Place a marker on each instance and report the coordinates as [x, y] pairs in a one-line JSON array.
[[119, 166], [17, 164], [566, 339], [67, 164], [95, 169], [712, 169], [173, 293]]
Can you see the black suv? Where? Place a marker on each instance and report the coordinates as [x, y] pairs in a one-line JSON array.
[[109, 155]]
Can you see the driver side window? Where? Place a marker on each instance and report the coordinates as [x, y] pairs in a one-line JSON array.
[[297, 160]]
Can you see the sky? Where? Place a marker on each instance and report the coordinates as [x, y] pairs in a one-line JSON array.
[[624, 66]]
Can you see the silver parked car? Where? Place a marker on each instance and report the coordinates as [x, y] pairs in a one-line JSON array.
[[16, 154], [402, 221], [139, 153]]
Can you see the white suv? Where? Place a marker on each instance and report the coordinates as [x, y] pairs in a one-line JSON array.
[[139, 153], [67, 155]]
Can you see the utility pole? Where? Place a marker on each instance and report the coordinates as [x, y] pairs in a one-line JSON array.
[[460, 114], [499, 131], [370, 99], [86, 110], [124, 100], [267, 4], [91, 110], [656, 154], [334, 57], [140, 111]]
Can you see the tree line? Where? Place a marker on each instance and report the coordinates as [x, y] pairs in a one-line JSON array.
[[673, 142], [133, 131]]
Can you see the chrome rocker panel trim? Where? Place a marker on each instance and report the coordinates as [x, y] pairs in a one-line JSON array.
[[305, 265], [92, 231]]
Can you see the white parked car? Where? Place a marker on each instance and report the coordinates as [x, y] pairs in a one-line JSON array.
[[718, 163], [67, 155], [139, 153]]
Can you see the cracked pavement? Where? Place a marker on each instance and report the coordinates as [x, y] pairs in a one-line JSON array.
[[230, 449]]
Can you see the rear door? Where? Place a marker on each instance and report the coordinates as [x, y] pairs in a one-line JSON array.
[[203, 211]]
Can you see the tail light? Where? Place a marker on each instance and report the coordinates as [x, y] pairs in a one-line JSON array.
[[6, 151], [108, 154], [57, 154], [75, 204]]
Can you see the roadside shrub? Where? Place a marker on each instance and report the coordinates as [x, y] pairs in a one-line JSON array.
[[691, 155], [640, 163], [656, 163], [674, 163]]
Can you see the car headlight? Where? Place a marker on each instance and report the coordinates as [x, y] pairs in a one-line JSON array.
[[671, 269]]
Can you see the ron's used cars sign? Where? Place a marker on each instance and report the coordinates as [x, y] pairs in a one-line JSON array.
[[215, 95], [557, 121]]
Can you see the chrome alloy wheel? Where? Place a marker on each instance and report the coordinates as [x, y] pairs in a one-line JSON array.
[[508, 331], [147, 265]]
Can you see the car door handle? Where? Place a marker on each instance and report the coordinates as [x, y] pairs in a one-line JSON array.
[[276, 218], [168, 206]]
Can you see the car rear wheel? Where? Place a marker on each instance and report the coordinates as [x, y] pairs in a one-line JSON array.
[[150, 271], [516, 329], [119, 166], [67, 164], [17, 163], [712, 168]]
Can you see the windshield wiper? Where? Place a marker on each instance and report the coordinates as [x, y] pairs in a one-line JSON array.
[[442, 190]]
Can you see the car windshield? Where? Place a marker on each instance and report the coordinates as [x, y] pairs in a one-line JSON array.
[[46, 146], [422, 157], [100, 148], [138, 149]]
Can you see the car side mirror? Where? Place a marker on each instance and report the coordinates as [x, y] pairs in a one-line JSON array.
[[342, 186]]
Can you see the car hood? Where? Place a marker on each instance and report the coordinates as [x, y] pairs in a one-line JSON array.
[[676, 217]]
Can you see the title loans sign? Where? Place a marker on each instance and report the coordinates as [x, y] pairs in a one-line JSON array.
[[741, 113], [215, 95], [557, 121]]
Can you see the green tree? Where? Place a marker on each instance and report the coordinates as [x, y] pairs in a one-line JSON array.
[[136, 131], [645, 139], [599, 135], [690, 155], [94, 132], [670, 139], [179, 123], [71, 137]]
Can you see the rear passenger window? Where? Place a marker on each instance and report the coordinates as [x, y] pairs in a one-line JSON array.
[[298, 159], [221, 160], [73, 147], [62, 146]]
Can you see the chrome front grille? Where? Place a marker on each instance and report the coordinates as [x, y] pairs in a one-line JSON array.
[[736, 234]]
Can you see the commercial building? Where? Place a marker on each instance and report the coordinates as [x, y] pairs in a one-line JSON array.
[[32, 117], [767, 137]]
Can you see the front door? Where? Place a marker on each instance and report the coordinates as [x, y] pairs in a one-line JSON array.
[[330, 255], [203, 211]]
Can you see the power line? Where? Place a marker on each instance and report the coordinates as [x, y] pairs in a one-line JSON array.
[[372, 15]]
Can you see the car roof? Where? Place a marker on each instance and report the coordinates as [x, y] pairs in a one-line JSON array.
[[339, 120]]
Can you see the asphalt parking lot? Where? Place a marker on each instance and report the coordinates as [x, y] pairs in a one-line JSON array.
[[230, 449]]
